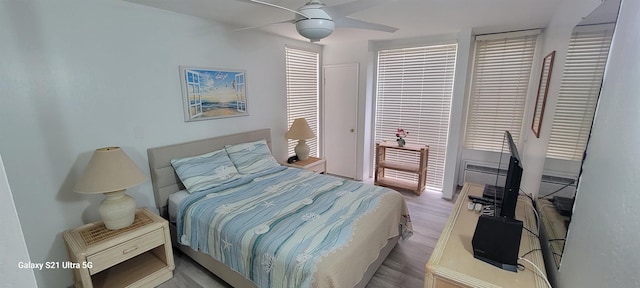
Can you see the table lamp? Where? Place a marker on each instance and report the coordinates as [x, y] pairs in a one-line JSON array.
[[111, 171], [300, 130]]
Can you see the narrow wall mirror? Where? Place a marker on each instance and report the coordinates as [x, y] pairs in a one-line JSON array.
[[543, 90], [575, 108]]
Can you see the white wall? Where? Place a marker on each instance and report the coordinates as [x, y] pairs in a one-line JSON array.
[[458, 116], [13, 249], [602, 245], [555, 37], [365, 53], [79, 75], [533, 150], [354, 52]]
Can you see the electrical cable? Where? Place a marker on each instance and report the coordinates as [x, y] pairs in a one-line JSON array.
[[531, 251], [559, 189], [527, 194], [495, 195], [557, 239], [539, 271], [537, 235], [534, 211], [533, 233]]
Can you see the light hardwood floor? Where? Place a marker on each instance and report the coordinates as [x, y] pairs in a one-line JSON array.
[[404, 267]]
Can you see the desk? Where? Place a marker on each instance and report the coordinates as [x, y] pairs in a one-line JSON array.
[[452, 263]]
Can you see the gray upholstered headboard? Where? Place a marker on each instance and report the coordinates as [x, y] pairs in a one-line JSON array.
[[164, 179]]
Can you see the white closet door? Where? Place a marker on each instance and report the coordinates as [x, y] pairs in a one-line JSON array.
[[340, 83]]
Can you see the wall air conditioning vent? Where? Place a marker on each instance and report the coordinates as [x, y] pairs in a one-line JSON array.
[[557, 179], [485, 169], [557, 185], [485, 173]]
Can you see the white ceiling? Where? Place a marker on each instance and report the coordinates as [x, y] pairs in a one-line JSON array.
[[414, 18]]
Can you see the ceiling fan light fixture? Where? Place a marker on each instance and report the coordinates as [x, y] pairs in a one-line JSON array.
[[314, 21], [315, 29]]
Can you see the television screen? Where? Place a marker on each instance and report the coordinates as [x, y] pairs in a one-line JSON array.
[[506, 207], [512, 181]]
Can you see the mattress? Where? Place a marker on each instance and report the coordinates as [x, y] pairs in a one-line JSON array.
[[174, 202], [292, 228]]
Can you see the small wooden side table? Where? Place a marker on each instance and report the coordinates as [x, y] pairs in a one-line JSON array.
[[313, 164], [139, 255], [419, 168]]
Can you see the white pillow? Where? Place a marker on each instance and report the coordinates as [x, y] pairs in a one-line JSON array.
[[251, 157], [205, 171]]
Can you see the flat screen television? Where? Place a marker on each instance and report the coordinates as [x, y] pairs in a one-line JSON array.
[[506, 202], [512, 181]]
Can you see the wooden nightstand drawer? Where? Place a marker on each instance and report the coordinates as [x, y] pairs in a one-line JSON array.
[[127, 250], [318, 169]]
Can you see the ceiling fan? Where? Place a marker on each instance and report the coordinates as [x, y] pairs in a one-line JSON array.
[[314, 20]]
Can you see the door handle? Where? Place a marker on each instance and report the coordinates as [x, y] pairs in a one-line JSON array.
[[352, 130]]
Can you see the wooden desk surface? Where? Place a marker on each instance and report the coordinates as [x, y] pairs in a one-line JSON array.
[[555, 226], [452, 263]]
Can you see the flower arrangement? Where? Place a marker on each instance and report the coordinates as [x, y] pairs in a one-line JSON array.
[[401, 134]]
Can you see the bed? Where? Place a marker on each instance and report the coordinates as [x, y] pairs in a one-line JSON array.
[[361, 223]]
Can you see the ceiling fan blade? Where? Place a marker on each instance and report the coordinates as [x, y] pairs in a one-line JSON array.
[[274, 6], [346, 9], [347, 22], [264, 25]]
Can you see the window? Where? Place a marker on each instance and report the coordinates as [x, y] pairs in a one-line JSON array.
[[579, 90], [303, 93], [501, 72], [241, 95], [414, 87], [194, 92]]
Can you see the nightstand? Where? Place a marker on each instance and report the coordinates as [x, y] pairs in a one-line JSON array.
[[316, 165], [139, 255]]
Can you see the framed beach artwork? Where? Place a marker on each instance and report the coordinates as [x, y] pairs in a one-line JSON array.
[[209, 93]]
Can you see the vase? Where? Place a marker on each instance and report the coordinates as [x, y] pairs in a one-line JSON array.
[[401, 142]]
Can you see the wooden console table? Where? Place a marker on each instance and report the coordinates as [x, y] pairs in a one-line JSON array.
[[419, 168], [452, 263]]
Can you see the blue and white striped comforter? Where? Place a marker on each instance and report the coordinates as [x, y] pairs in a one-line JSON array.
[[274, 227]]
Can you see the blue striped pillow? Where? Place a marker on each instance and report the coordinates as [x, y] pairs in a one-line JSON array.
[[251, 157], [205, 171]]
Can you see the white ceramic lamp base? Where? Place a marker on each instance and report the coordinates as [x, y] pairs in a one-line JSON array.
[[118, 210], [302, 150]]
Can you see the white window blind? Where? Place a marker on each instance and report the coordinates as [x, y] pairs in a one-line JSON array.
[[303, 93], [501, 71], [579, 90], [414, 87]]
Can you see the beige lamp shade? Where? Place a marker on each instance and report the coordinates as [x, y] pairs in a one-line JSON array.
[[300, 130], [111, 171]]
